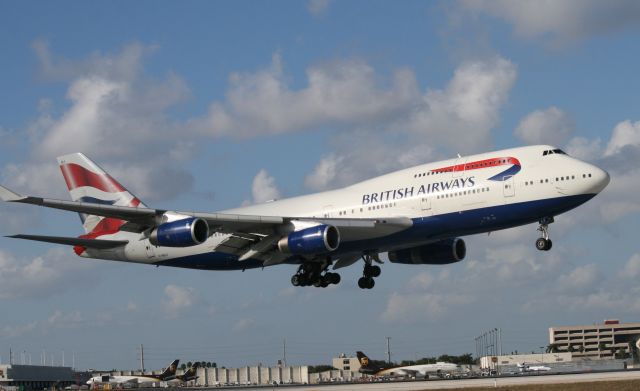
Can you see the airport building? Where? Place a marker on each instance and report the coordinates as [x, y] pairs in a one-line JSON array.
[[35, 377], [344, 363], [255, 375], [611, 339], [492, 362]]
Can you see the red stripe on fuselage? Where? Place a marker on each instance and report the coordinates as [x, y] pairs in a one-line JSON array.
[[78, 176], [493, 162]]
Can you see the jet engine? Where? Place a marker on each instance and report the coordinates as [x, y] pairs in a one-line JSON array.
[[180, 233], [438, 253], [314, 240]]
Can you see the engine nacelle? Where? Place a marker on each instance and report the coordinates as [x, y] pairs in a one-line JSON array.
[[438, 253], [313, 240], [180, 233]]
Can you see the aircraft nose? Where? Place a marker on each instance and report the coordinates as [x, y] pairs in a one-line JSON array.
[[600, 179]]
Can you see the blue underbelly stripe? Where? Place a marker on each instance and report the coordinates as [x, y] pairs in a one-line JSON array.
[[424, 229]]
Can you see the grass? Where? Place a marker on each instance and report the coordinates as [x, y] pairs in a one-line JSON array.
[[618, 385]]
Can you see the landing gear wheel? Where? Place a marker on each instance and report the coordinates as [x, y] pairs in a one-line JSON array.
[[366, 283], [375, 271], [541, 244], [544, 243], [295, 280]]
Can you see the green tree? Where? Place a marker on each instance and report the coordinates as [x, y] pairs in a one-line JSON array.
[[183, 366], [320, 368]]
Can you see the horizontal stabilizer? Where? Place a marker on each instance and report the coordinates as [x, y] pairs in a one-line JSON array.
[[99, 244], [8, 195]]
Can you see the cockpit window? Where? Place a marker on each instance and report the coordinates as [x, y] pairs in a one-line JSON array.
[[552, 151]]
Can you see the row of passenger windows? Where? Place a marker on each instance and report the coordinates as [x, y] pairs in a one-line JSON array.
[[558, 179], [463, 193], [457, 194]]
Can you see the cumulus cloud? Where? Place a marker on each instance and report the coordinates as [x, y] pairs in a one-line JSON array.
[[341, 92], [560, 21], [625, 134], [264, 187], [457, 118], [631, 269], [116, 115], [462, 114], [42, 276], [620, 156], [580, 279], [551, 126], [178, 299]]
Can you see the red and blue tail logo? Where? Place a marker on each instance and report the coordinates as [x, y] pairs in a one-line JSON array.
[[87, 182]]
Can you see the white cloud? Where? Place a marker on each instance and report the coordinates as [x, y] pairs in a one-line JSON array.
[[583, 148], [44, 275], [114, 110], [462, 115], [581, 279], [625, 133], [458, 118], [631, 269], [342, 92], [179, 299], [264, 187], [318, 7], [560, 21], [551, 126]]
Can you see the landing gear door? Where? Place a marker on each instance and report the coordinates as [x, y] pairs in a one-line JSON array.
[[508, 186]]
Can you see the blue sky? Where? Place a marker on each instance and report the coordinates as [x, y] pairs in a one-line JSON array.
[[209, 105]]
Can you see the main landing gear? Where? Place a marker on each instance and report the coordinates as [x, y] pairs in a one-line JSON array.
[[544, 243], [369, 272], [316, 274]]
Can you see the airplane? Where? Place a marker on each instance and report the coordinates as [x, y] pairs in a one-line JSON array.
[[416, 215], [167, 374], [533, 368], [422, 370], [189, 375]]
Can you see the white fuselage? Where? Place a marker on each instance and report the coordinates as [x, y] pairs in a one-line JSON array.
[[421, 370], [457, 197]]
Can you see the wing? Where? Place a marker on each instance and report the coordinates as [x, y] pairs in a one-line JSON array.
[[99, 244], [251, 236]]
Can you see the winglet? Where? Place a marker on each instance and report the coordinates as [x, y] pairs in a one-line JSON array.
[[8, 195]]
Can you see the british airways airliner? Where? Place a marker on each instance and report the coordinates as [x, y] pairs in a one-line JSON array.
[[416, 215]]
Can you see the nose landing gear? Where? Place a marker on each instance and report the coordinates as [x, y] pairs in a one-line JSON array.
[[544, 243]]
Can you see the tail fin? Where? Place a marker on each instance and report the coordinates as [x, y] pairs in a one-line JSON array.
[[364, 360], [170, 371], [87, 182]]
